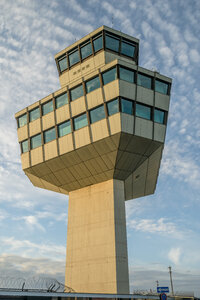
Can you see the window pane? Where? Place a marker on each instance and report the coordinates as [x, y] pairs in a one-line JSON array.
[[113, 107], [47, 107], [25, 146], [127, 49], [127, 106], [144, 81], [49, 135], [77, 92], [92, 84], [127, 75], [36, 141], [62, 64], [64, 128], [112, 43], [61, 100], [22, 120], [34, 114], [109, 76], [97, 114], [143, 111], [80, 121], [73, 58], [86, 50], [161, 87], [98, 43], [159, 116]]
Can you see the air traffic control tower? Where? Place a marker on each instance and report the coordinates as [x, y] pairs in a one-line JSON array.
[[98, 139]]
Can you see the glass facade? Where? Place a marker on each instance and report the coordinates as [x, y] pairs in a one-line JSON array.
[[80, 121], [159, 116], [34, 114], [144, 81], [76, 92], [112, 43], [109, 76], [113, 107], [63, 64], [143, 111], [126, 75], [126, 106], [25, 146], [64, 128], [36, 141], [98, 43], [61, 100], [161, 87], [22, 121], [86, 50], [97, 114], [74, 58], [127, 49], [49, 135], [92, 84], [47, 108]]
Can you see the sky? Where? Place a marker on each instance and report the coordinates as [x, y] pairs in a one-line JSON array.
[[163, 229]]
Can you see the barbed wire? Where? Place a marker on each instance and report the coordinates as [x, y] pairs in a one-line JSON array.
[[33, 283]]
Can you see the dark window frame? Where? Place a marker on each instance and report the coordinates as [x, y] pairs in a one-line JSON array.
[[21, 117], [45, 104], [130, 100], [168, 88], [69, 120], [38, 107], [77, 48], [132, 70], [81, 84], [118, 102], [59, 96], [83, 45], [165, 115], [84, 113], [94, 108], [61, 58], [54, 127], [145, 75], [85, 83], [115, 67], [31, 148], [151, 111], [22, 147]]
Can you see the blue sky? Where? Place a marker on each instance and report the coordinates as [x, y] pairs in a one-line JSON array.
[[163, 229]]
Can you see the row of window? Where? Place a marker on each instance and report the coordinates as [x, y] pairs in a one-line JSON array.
[[112, 42], [124, 105], [93, 84]]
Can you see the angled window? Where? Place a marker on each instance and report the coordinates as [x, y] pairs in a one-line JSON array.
[[36, 141], [144, 81], [98, 43], [113, 107], [80, 121], [77, 92], [61, 100], [73, 57], [34, 114], [49, 135], [126, 74], [97, 114], [126, 106], [25, 146], [161, 87], [127, 49], [47, 108], [92, 84], [62, 62], [143, 111], [64, 128], [159, 116], [22, 120], [109, 75], [112, 43], [86, 50]]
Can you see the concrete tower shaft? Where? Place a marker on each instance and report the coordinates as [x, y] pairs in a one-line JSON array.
[[98, 139]]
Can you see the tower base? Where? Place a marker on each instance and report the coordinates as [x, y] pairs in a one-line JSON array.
[[97, 259]]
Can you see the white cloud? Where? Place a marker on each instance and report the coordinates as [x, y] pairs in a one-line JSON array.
[[161, 226], [174, 255]]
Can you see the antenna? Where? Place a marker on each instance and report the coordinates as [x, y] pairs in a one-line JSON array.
[[112, 21], [170, 274]]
